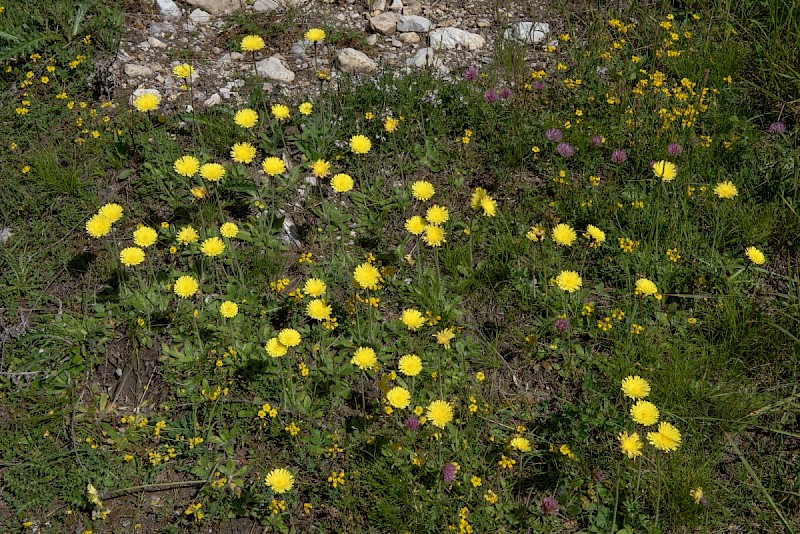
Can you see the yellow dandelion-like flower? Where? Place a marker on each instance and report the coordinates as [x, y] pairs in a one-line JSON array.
[[360, 144], [184, 70], [755, 255], [645, 288], [439, 413], [112, 212], [275, 348], [187, 235], [315, 35], [280, 111], [645, 413], [131, 256], [186, 286], [279, 480], [412, 318], [273, 166], [243, 153], [364, 358], [314, 287], [367, 276], [213, 246], [318, 310], [213, 172], [342, 183], [521, 444], [668, 438], [665, 170], [416, 225], [187, 166], [569, 281], [596, 233], [252, 43], [289, 337], [305, 108], [564, 235], [437, 214], [246, 118], [410, 365], [726, 190], [147, 102], [489, 206], [321, 168], [229, 230], [398, 397], [434, 236], [390, 124], [635, 387], [444, 337], [228, 309], [145, 236], [630, 444], [477, 196], [422, 190]]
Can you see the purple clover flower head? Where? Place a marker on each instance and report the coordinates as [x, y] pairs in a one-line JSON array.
[[549, 506], [562, 325], [618, 156], [471, 74], [490, 96], [777, 128], [412, 423], [554, 135], [538, 86], [674, 149], [565, 150], [505, 93], [449, 472], [596, 140]]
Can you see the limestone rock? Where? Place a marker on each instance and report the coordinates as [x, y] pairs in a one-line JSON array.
[[413, 23], [215, 7], [352, 60], [274, 68], [527, 32], [414, 8], [377, 5], [409, 37], [132, 70], [385, 23], [451, 38], [266, 6], [425, 58], [168, 9], [198, 16], [397, 5]]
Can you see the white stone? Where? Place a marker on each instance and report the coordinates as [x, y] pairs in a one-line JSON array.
[[299, 48], [397, 5], [372, 39], [212, 100], [132, 70], [527, 32], [377, 5], [156, 43], [216, 7], [169, 9], [200, 17], [413, 23], [425, 58], [159, 29], [385, 23], [274, 69], [5, 234], [414, 8], [450, 38], [410, 37], [352, 60], [266, 6]]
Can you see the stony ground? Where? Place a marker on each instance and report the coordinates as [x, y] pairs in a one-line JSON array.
[[447, 37]]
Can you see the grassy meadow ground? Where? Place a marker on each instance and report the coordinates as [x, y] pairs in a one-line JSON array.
[[482, 264]]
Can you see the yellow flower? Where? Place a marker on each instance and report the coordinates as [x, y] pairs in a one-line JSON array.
[[475, 481], [243, 153], [314, 287], [315, 35], [252, 43], [434, 236], [187, 166], [147, 102], [422, 190], [444, 337], [145, 236], [305, 108], [439, 413], [360, 144], [635, 387], [477, 196], [697, 495], [183, 70], [289, 337], [726, 190], [187, 235], [318, 310], [630, 445], [273, 166], [246, 118], [213, 246], [412, 318], [755, 255], [569, 281], [398, 397], [186, 286], [645, 288], [564, 235], [112, 212], [198, 192], [229, 230], [390, 124], [489, 206], [667, 439], [416, 225], [367, 276], [665, 170], [521, 444], [410, 365], [437, 214], [596, 233], [228, 309], [645, 413], [280, 111], [321, 168], [342, 183], [213, 172], [364, 358], [279, 480], [275, 348], [131, 256]]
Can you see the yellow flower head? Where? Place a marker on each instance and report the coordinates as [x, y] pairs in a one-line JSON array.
[[755, 255], [280, 111], [434, 236], [321, 168], [213, 172], [279, 480], [187, 166], [630, 444], [342, 183], [422, 190], [416, 225], [437, 214], [213, 246], [315, 287], [186, 286], [112, 212], [252, 43], [289, 337], [390, 124], [229, 230], [318, 310], [360, 144], [246, 118], [146, 102], [131, 256], [398, 397], [645, 413], [596, 233], [645, 288], [183, 70], [564, 235], [275, 348], [439, 413], [315, 35], [305, 108], [520, 444], [273, 166], [187, 235], [665, 170], [364, 358], [243, 153], [412, 318], [444, 337], [410, 365], [667, 439], [635, 387], [726, 190], [145, 236], [569, 281], [477, 196], [367, 276], [228, 309], [489, 206]]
